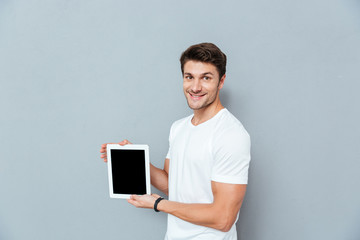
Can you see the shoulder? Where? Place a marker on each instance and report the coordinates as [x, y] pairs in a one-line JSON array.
[[181, 121], [230, 135], [228, 126], [178, 124], [230, 150]]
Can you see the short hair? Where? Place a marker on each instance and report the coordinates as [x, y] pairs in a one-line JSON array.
[[205, 52]]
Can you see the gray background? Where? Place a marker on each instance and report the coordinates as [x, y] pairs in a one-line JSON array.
[[76, 74]]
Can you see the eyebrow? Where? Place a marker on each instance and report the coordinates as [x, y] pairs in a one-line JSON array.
[[206, 73]]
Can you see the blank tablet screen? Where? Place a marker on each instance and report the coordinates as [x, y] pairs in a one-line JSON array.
[[128, 171]]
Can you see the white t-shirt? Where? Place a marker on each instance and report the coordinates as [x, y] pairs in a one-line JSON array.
[[216, 150]]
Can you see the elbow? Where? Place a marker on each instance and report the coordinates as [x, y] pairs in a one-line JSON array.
[[166, 191], [224, 224], [226, 227]]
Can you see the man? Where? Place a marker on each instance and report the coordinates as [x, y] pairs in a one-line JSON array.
[[206, 168]]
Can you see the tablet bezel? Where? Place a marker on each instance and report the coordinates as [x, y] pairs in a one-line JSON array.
[[147, 167]]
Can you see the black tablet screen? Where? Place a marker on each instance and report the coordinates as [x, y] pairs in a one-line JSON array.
[[128, 171]]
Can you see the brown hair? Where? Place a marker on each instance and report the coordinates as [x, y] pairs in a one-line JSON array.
[[205, 52]]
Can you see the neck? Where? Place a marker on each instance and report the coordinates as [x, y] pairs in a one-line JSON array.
[[204, 114]]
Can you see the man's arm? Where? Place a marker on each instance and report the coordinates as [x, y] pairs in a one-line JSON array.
[[220, 214], [159, 177]]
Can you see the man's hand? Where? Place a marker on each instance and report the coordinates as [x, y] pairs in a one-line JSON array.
[[143, 201], [103, 148]]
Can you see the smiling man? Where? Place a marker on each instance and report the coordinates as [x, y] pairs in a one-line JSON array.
[[206, 169]]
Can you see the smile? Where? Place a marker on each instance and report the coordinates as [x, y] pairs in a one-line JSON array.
[[194, 96]]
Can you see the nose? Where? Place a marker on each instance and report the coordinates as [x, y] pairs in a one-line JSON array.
[[196, 86]]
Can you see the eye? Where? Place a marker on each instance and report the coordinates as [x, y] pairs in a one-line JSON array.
[[188, 77], [206, 78]]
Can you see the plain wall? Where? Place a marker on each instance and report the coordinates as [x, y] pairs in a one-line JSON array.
[[76, 74]]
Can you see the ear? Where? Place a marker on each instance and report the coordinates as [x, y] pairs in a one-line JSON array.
[[221, 82]]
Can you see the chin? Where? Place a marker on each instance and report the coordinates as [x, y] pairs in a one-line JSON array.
[[196, 107]]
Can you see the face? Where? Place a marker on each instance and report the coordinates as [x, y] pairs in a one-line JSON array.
[[201, 84]]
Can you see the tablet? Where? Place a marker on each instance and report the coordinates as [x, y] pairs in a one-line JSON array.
[[128, 170]]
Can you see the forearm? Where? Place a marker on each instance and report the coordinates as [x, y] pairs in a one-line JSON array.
[[208, 215], [220, 214], [159, 178]]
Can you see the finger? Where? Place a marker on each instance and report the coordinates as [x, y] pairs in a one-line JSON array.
[[134, 197], [103, 147], [103, 155], [105, 159], [132, 202], [124, 142], [105, 144]]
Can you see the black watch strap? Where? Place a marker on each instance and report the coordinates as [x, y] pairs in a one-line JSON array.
[[156, 203]]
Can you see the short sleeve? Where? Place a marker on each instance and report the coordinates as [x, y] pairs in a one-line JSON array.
[[168, 153], [231, 155], [170, 140]]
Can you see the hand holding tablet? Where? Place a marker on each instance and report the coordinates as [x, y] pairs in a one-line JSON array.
[[103, 148]]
